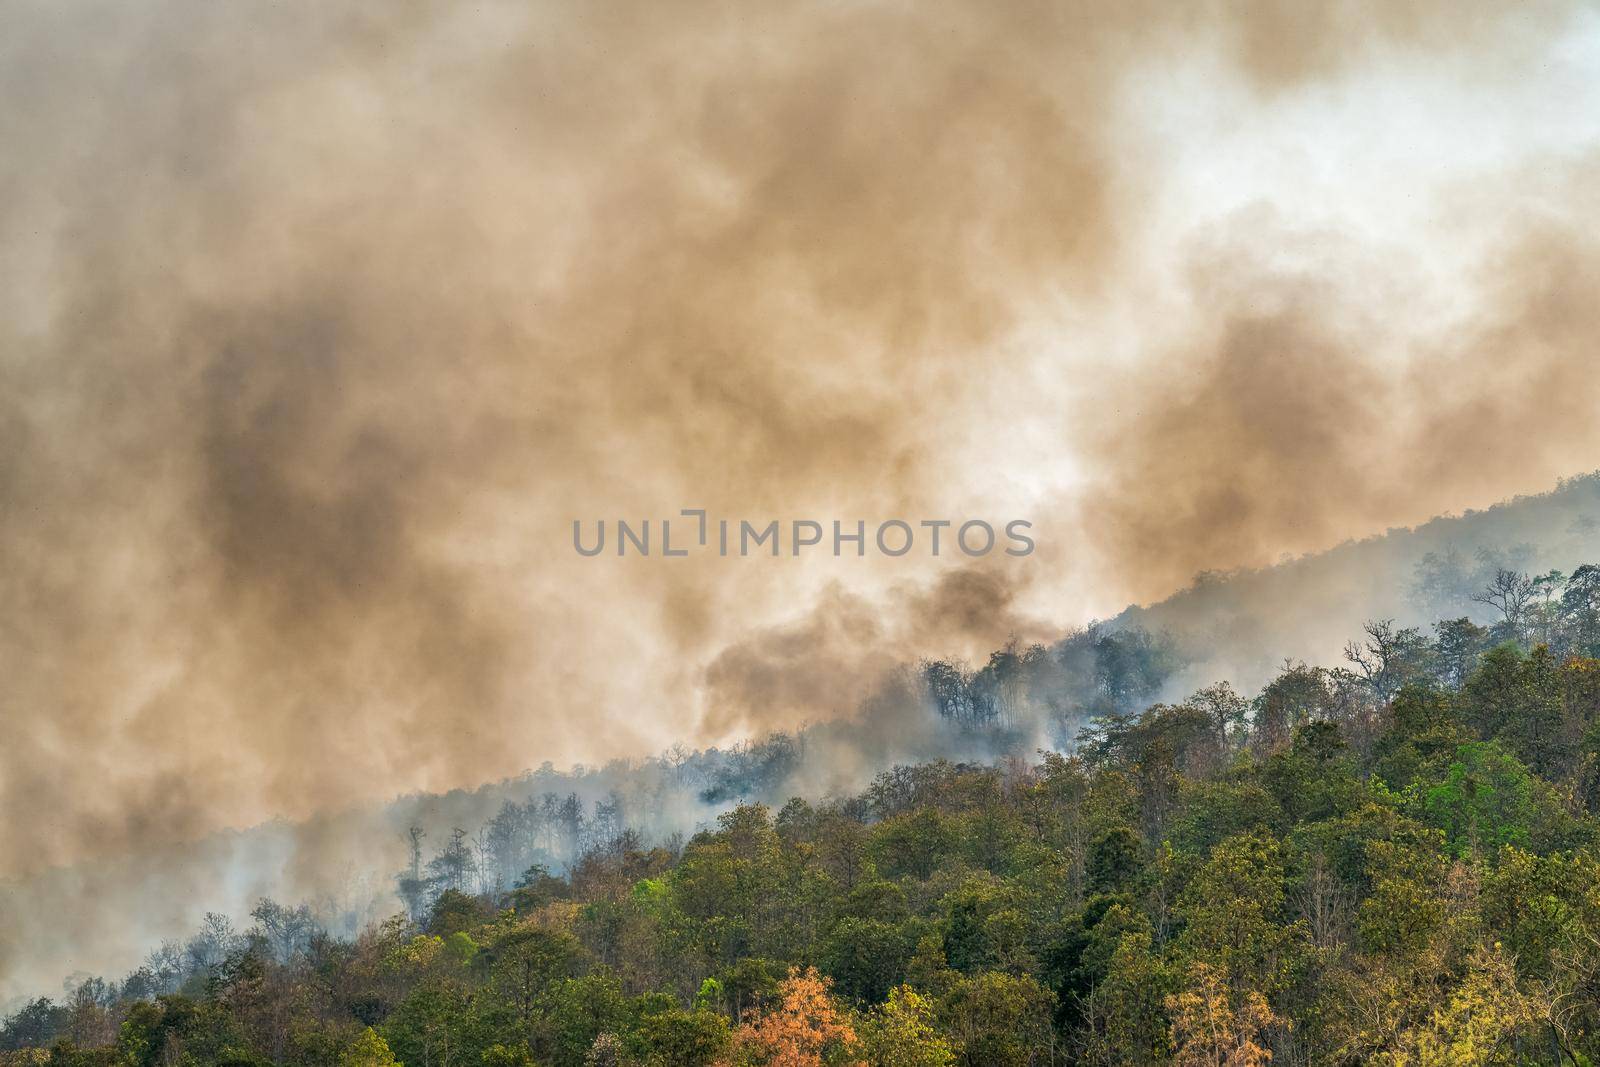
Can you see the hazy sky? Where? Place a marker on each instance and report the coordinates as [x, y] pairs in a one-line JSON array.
[[319, 326]]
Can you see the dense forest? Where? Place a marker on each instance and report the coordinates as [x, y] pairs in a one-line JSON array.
[[1395, 860]]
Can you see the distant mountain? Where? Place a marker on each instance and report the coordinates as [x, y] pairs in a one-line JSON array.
[[1240, 626]]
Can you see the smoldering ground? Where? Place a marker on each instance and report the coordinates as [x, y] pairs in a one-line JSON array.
[[318, 328]]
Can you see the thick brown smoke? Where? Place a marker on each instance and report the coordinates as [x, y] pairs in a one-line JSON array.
[[1307, 408], [320, 328]]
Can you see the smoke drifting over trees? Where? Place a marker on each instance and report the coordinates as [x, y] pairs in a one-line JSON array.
[[318, 331], [1371, 862], [1004, 706]]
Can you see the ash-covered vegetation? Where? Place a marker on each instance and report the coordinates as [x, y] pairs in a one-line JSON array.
[[1395, 860]]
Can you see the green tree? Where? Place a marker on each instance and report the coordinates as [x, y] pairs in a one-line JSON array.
[[901, 1033], [1126, 1011], [678, 1038], [997, 1020], [1232, 913], [1483, 800], [865, 958], [368, 1050]]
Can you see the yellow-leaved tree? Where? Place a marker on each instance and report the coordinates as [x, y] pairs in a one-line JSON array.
[[1215, 1027]]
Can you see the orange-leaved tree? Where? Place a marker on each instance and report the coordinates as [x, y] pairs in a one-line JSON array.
[[804, 1029]]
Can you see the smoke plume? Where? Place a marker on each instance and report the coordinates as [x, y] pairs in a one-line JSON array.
[[319, 330]]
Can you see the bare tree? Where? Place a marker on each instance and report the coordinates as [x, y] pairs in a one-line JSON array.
[[483, 854], [452, 867], [677, 758], [1510, 594], [1388, 658], [209, 949], [413, 887], [1323, 903]]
